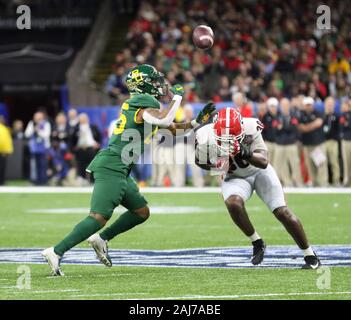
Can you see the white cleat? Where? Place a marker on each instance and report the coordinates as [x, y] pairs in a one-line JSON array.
[[101, 249], [53, 260]]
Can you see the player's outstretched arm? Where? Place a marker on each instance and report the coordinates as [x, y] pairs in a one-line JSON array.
[[163, 118], [180, 128], [202, 118], [204, 115]]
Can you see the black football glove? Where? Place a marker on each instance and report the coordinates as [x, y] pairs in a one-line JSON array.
[[245, 152], [204, 115]]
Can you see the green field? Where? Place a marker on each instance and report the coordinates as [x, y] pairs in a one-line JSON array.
[[30, 221]]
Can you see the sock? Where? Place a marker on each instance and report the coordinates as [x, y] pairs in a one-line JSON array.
[[255, 236], [81, 231], [308, 252], [126, 221]]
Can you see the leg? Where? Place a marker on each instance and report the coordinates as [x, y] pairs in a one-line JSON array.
[[280, 161], [235, 193], [271, 151], [322, 170], [269, 189], [309, 164], [293, 225], [294, 161], [237, 211], [138, 212], [344, 161], [108, 192], [334, 161]]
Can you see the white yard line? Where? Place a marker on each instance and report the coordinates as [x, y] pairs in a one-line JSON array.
[[106, 294], [55, 291], [240, 296], [43, 291], [30, 189]]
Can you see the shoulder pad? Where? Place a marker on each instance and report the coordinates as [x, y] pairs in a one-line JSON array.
[[144, 100], [252, 126]]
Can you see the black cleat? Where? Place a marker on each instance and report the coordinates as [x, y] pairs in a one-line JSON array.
[[259, 248], [312, 262]]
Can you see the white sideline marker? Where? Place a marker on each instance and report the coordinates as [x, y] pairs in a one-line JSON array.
[[31, 189], [154, 210]]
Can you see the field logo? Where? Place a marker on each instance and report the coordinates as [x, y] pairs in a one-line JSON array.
[[324, 20], [227, 257], [24, 20], [24, 280], [324, 280]]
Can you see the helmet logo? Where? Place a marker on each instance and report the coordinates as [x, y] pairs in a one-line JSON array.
[[137, 76]]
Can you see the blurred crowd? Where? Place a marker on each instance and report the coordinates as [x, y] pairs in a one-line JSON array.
[[262, 48], [55, 152], [308, 146]]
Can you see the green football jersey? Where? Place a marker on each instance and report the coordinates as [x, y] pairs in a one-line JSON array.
[[129, 136]]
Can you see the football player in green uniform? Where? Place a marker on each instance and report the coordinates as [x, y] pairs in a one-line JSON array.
[[139, 119]]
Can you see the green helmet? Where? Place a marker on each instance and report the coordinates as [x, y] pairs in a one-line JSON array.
[[146, 79]]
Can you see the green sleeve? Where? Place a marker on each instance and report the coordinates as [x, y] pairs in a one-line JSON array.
[[144, 101]]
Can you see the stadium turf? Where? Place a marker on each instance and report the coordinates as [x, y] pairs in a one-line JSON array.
[[182, 220]]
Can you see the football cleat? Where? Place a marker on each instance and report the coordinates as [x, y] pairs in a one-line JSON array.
[[101, 249], [312, 262], [53, 260], [259, 248]]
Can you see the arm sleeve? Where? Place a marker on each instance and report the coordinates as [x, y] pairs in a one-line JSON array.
[[167, 120]]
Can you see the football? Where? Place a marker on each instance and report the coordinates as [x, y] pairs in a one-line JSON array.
[[203, 37]]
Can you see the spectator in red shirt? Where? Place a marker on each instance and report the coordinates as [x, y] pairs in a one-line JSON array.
[[241, 104], [232, 61]]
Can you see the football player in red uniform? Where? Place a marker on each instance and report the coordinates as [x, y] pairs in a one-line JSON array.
[[234, 146]]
